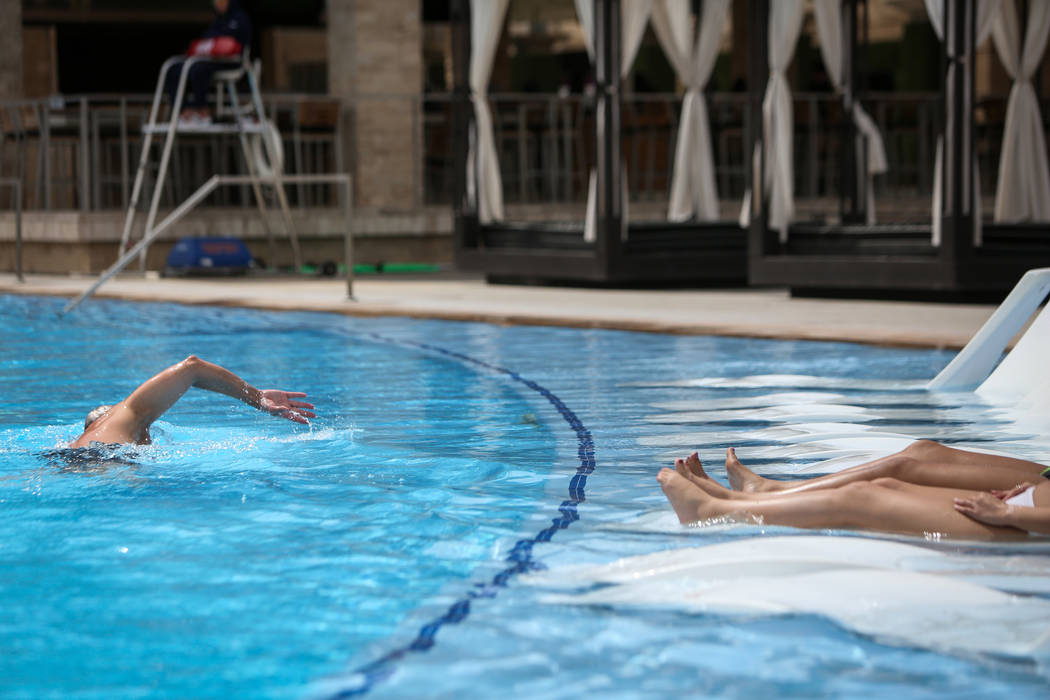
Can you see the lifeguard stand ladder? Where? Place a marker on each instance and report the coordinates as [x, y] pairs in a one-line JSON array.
[[264, 156], [264, 160]]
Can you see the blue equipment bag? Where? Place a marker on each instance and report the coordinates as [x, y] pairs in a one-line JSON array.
[[222, 256]]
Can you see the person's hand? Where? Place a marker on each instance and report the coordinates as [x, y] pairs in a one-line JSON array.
[[985, 508], [284, 404], [1010, 493]]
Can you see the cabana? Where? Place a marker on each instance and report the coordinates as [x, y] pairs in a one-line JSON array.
[[956, 256], [692, 246], [952, 255]]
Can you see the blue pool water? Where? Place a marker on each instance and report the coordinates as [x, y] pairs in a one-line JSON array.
[[379, 550]]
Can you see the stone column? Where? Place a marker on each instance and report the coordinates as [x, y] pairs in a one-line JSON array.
[[11, 49], [375, 65]]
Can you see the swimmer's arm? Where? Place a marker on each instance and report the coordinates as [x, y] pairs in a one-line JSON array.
[[988, 509], [151, 400]]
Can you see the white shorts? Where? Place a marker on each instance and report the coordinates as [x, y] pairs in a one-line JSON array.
[[1025, 498]]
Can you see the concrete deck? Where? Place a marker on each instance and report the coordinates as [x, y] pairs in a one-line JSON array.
[[746, 312], [765, 313]]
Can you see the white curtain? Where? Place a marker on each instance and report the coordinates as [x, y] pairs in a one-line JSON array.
[[828, 14], [987, 12], [693, 190], [785, 23], [935, 10], [486, 23], [634, 15], [1023, 191]]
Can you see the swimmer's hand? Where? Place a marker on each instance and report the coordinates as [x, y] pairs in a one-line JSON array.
[[284, 404], [986, 508]]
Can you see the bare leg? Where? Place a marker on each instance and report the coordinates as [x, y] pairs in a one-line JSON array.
[[687, 468], [923, 462], [880, 506]]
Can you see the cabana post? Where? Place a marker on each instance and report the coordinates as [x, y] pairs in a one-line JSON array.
[[607, 75], [853, 163], [761, 240], [958, 212], [465, 217]]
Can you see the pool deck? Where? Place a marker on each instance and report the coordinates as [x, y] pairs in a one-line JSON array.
[[763, 313]]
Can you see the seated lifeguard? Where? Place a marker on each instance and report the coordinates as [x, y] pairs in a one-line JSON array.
[[129, 421], [226, 38]]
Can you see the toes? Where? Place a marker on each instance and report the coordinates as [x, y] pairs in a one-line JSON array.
[[695, 466]]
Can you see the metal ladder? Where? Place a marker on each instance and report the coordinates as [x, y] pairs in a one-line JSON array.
[[265, 164]]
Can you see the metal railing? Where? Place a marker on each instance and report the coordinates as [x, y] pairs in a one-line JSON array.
[[546, 145], [80, 152]]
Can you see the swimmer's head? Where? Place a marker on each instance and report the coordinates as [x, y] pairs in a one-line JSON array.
[[95, 415]]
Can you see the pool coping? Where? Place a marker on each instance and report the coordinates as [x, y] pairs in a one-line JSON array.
[[749, 313]]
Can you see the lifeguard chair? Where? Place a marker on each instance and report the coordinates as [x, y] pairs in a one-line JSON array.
[[259, 138], [263, 155]]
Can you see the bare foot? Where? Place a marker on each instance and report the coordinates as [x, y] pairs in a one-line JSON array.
[[695, 466], [691, 469], [743, 479], [689, 502]]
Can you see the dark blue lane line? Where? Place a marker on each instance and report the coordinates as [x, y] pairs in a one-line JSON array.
[[519, 560]]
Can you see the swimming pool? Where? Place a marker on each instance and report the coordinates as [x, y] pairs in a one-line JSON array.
[[381, 550]]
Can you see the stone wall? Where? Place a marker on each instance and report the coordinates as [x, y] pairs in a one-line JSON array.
[[86, 243], [11, 49], [375, 65]]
